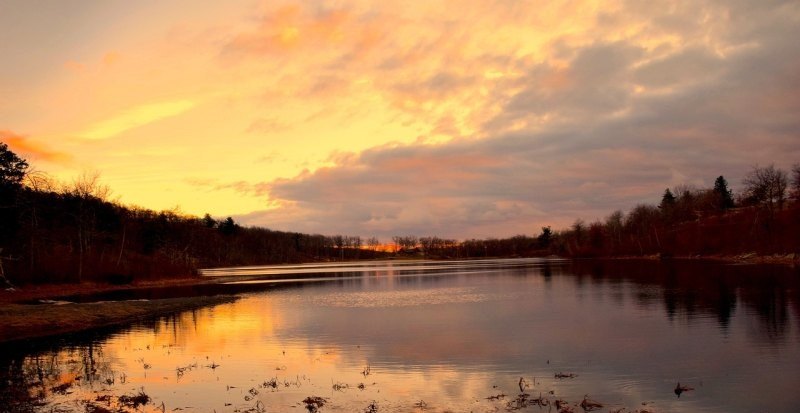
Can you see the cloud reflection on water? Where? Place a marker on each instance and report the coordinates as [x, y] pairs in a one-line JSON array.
[[629, 329]]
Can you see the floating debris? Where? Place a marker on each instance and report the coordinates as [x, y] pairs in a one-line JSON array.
[[273, 382], [524, 400], [563, 406], [135, 400], [566, 375], [589, 405], [314, 403], [680, 389], [180, 371], [372, 408], [522, 385]]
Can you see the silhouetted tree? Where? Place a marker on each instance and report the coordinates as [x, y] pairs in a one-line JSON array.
[[796, 182], [228, 226], [614, 226], [12, 167], [667, 206], [12, 172], [667, 200], [373, 243], [642, 225], [723, 195], [766, 186], [406, 243], [545, 238], [208, 221]]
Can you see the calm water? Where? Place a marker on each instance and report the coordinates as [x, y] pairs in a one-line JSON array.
[[436, 337]]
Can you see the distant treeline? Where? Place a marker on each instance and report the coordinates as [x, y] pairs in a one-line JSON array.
[[74, 233], [763, 219]]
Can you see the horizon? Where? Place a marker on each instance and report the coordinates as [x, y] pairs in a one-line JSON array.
[[460, 121]]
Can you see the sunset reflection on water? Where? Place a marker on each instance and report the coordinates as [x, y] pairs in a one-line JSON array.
[[449, 342]]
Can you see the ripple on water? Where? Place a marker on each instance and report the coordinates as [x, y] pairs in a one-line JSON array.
[[403, 298]]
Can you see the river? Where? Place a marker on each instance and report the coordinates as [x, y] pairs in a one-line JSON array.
[[432, 336]]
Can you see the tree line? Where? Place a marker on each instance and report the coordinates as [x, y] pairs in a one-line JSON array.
[[74, 232], [763, 219]]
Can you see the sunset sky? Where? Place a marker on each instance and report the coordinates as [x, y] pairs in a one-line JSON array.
[[452, 118]]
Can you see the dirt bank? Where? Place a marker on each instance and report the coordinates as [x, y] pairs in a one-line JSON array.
[[21, 319]]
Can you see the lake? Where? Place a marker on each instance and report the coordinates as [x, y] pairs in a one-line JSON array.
[[432, 336]]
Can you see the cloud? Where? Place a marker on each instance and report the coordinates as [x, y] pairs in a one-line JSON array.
[[136, 117], [505, 116], [30, 149], [293, 28], [606, 125]]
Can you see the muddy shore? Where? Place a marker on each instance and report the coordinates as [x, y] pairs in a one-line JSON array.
[[21, 317]]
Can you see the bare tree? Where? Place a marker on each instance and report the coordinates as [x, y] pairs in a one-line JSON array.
[[86, 189], [614, 225], [39, 181], [87, 185], [339, 242], [796, 182], [373, 243], [407, 242], [766, 186]]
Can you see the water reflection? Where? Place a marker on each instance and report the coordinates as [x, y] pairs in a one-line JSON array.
[[451, 337]]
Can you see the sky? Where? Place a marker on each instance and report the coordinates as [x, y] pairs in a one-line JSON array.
[[452, 118]]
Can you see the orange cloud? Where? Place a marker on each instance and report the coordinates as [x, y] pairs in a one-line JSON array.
[[291, 28], [110, 58], [21, 144]]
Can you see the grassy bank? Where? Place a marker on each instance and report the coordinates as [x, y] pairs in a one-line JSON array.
[[20, 319]]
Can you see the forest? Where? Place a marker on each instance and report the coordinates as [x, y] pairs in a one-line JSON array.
[[72, 233]]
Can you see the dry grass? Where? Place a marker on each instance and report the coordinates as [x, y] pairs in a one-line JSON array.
[[23, 321]]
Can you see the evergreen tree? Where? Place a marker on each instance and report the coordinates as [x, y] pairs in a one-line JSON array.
[[667, 200], [228, 226], [545, 237], [12, 167], [208, 221], [723, 194]]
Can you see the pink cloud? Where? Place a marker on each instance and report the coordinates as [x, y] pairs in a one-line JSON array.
[[26, 148]]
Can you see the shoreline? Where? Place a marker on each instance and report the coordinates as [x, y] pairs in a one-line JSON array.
[[22, 320], [791, 259]]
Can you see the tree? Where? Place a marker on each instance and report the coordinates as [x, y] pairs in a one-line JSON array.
[[796, 182], [228, 226], [373, 243], [766, 186], [208, 221], [723, 195], [87, 194], [614, 225], [667, 206], [545, 237], [12, 167], [405, 243], [667, 200]]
